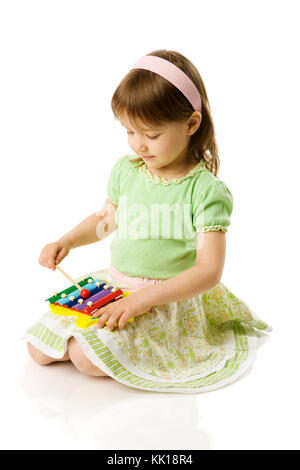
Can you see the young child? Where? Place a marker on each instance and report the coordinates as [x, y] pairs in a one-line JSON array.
[[171, 212]]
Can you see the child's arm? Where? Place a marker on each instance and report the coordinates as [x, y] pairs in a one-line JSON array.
[[95, 227], [211, 250]]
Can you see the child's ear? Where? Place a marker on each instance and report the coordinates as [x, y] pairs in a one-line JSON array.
[[194, 122]]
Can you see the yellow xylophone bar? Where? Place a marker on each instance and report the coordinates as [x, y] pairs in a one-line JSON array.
[[82, 319]]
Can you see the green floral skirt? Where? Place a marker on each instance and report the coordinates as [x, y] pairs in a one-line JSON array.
[[193, 345]]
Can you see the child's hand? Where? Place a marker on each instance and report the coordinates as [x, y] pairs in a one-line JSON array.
[[121, 310], [53, 253]]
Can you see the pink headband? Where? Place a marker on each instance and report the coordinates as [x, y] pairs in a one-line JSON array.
[[173, 74]]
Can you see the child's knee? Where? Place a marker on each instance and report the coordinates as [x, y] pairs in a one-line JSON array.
[[38, 356], [81, 362]]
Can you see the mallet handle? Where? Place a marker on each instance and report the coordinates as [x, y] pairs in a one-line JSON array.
[[68, 277]]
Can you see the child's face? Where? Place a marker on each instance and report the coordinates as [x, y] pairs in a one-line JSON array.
[[168, 143]]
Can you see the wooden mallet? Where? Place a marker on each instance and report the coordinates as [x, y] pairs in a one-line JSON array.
[[85, 293]]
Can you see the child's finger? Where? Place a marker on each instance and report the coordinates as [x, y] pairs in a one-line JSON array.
[[123, 320], [98, 312], [50, 260], [52, 263], [103, 319], [62, 253], [113, 320]]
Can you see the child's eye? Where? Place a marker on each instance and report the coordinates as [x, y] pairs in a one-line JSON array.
[[149, 137]]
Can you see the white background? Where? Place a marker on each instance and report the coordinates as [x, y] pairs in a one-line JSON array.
[[60, 64]]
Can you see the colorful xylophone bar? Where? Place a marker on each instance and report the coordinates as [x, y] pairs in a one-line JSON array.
[[69, 302]]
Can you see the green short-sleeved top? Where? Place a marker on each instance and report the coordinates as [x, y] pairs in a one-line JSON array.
[[158, 220]]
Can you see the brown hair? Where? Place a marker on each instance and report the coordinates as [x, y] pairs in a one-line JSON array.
[[155, 101]]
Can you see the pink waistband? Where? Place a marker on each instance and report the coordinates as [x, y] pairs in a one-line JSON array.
[[131, 282]]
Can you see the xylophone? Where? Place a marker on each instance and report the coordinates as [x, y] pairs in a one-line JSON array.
[[83, 299]]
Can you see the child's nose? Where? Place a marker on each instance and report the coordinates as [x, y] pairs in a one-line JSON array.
[[142, 148]]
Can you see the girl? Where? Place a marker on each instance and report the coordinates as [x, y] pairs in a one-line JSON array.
[[171, 212]]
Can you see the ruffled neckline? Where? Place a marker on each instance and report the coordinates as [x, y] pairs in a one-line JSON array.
[[160, 180]]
